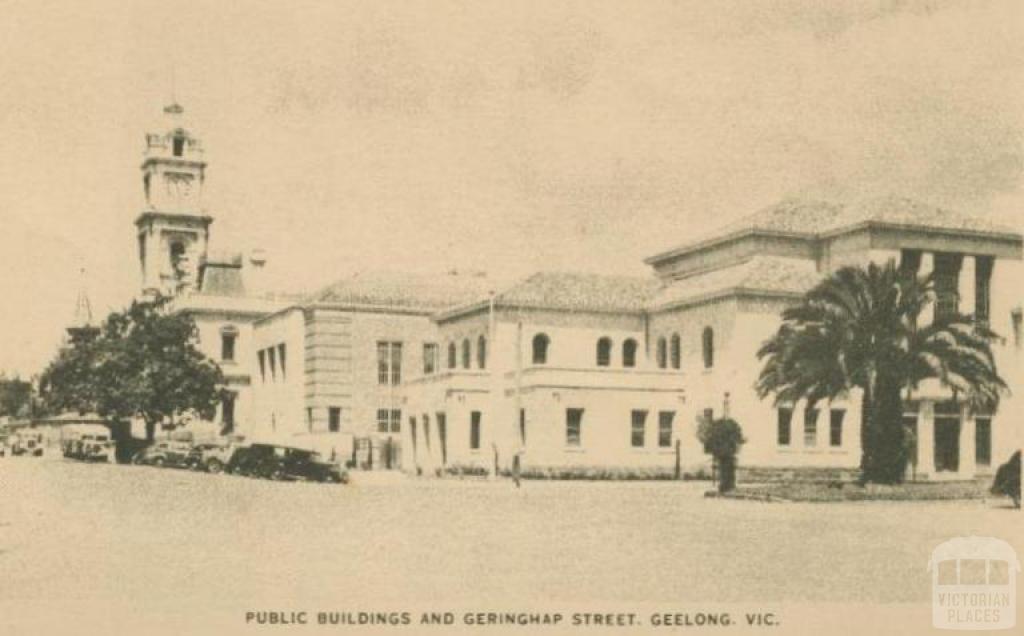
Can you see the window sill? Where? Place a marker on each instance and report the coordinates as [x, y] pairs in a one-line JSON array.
[[574, 449]]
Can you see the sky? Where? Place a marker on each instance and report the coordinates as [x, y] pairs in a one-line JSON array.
[[505, 137]]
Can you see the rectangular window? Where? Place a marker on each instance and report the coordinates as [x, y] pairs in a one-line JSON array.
[[227, 413], [309, 419], [811, 428], [389, 363], [522, 427], [227, 346], [281, 359], [785, 434], [442, 436], [665, 421], [383, 421], [333, 419], [909, 421], [474, 430], [709, 414], [947, 277], [983, 287], [396, 363], [835, 427], [426, 431], [272, 358], [396, 421], [573, 427], [639, 429], [429, 358], [383, 372], [910, 261], [262, 355], [983, 441]]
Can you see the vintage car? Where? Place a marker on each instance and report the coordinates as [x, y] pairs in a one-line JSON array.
[[164, 453], [87, 442], [213, 457], [27, 442], [283, 462]]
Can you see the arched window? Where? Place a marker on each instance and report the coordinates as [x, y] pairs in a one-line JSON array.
[[662, 353], [540, 348], [675, 352], [466, 355], [629, 352], [451, 355], [481, 352], [177, 252], [604, 352], [708, 341]]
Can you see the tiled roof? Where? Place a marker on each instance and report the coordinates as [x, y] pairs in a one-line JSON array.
[[815, 218], [222, 280], [761, 273], [580, 292], [414, 291]]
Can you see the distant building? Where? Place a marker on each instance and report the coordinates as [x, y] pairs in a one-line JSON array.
[[564, 369]]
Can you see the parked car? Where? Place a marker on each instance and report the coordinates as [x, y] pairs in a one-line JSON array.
[[87, 442], [281, 462], [164, 453], [27, 442], [213, 457]]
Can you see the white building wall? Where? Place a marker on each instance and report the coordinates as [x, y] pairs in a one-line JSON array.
[[278, 393]]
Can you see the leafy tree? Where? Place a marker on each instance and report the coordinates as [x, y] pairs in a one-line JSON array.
[[67, 384], [860, 328], [144, 363], [722, 439], [15, 396]]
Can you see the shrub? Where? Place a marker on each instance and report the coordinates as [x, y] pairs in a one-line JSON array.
[[465, 470], [603, 473], [722, 439], [1007, 481]]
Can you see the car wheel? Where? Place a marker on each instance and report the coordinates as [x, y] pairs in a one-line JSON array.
[[214, 466], [159, 462], [277, 475]]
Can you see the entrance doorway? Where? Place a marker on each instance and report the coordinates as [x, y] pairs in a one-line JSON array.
[[947, 443]]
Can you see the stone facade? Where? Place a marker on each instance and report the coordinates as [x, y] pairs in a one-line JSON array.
[[452, 372]]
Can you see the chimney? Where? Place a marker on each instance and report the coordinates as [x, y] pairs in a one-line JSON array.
[[255, 283]]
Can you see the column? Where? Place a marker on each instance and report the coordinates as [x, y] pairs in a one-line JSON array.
[[965, 284], [928, 313], [926, 438], [967, 442]]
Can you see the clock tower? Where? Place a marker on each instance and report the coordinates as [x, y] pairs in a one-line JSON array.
[[173, 228]]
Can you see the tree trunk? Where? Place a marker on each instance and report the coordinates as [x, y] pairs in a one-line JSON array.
[[866, 441], [726, 473], [884, 453], [150, 431]]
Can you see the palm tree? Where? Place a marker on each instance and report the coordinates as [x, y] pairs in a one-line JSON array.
[[859, 329]]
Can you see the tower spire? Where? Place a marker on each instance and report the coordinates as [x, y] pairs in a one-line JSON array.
[[82, 328]]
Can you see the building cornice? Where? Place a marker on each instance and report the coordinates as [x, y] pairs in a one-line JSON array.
[[146, 215], [173, 161], [700, 246]]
